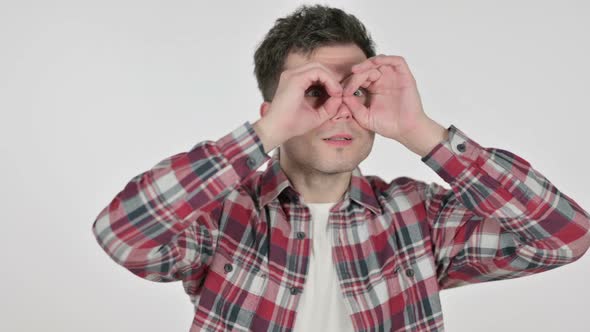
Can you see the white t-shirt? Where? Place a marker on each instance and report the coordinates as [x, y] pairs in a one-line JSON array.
[[321, 306]]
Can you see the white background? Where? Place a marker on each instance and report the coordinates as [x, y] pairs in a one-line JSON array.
[[95, 92]]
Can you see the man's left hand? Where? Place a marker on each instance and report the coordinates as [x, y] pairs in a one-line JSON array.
[[395, 109]]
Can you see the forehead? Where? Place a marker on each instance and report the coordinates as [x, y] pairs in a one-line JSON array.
[[338, 59]]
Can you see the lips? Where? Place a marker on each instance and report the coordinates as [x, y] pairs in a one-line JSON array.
[[340, 137], [338, 142]]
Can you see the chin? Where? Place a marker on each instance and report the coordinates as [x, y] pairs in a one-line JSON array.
[[331, 167]]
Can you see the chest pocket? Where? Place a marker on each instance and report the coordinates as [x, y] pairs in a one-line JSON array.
[[414, 281], [232, 288], [416, 272]]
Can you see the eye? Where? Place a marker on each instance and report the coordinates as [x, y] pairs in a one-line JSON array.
[[362, 90], [315, 88]]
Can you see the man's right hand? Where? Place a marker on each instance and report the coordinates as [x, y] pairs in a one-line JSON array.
[[289, 113]]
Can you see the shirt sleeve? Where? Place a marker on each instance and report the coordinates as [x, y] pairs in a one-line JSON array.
[[163, 225], [501, 219]]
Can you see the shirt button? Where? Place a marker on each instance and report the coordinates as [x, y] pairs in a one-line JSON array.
[[251, 162], [300, 235], [461, 147], [409, 272], [228, 267], [263, 275], [294, 290]]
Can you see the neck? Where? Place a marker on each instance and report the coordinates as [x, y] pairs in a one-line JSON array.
[[316, 186]]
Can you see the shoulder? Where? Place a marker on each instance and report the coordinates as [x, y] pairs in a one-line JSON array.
[[407, 188], [402, 184]]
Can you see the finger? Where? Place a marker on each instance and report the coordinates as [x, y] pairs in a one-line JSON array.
[[354, 82], [363, 79], [359, 111], [387, 70], [398, 62], [330, 108], [365, 64], [316, 72], [332, 86]]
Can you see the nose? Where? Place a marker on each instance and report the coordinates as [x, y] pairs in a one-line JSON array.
[[343, 113]]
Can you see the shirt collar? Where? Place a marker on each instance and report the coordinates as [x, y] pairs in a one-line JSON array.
[[274, 181]]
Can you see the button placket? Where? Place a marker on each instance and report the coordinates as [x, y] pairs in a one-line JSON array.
[[219, 306], [228, 267], [251, 162], [261, 272]]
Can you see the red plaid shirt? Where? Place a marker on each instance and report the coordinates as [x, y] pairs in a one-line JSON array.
[[238, 240]]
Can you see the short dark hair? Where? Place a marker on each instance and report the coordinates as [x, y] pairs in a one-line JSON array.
[[306, 29]]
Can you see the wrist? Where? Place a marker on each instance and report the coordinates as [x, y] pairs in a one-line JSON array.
[[425, 137], [264, 129]]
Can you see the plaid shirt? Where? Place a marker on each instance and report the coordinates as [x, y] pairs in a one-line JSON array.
[[238, 238]]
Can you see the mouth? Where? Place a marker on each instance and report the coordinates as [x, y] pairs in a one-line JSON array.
[[338, 141]]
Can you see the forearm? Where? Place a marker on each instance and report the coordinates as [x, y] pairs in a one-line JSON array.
[[140, 226], [265, 129], [425, 137]]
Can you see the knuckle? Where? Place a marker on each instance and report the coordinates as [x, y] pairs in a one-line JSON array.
[[315, 69], [321, 69], [314, 65]]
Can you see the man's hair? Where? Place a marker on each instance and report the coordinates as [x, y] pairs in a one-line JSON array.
[[303, 31]]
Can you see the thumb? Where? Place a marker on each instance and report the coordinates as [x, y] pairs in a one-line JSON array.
[[330, 108], [359, 111]]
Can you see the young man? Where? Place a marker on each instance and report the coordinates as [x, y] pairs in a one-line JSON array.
[[311, 244]]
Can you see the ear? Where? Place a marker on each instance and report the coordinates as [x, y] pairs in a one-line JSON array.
[[264, 108]]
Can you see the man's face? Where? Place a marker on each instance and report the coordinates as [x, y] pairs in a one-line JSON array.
[[310, 152]]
